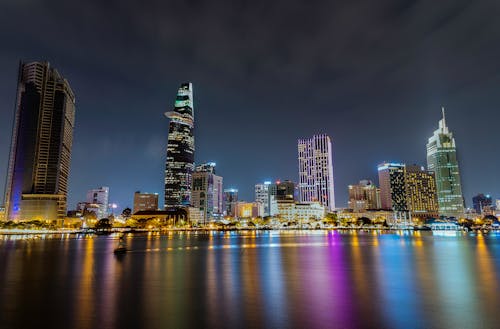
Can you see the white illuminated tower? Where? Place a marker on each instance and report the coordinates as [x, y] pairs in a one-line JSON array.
[[442, 160], [316, 170]]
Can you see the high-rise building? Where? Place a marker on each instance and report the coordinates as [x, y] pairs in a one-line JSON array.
[[481, 201], [316, 171], [391, 177], [42, 138], [421, 197], [442, 159], [206, 193], [180, 150], [265, 193], [230, 201], [145, 201], [99, 197], [283, 190], [364, 195]]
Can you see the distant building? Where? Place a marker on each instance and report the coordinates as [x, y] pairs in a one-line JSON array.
[[391, 178], [2, 213], [244, 209], [180, 150], [364, 195], [230, 201], [300, 212], [442, 160], [206, 192], [42, 138], [315, 156], [283, 190], [145, 202], [264, 195], [421, 196], [100, 197], [480, 202]]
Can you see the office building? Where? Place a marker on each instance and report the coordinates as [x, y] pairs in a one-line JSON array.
[[265, 194], [363, 196], [442, 160], [421, 195], [230, 200], [99, 197], [42, 138], [206, 193], [481, 202], [145, 202], [316, 171], [391, 178], [180, 150], [283, 190], [301, 212]]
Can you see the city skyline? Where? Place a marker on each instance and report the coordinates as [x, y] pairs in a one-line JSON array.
[[377, 104]]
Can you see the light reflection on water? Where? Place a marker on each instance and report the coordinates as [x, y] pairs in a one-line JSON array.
[[304, 279]]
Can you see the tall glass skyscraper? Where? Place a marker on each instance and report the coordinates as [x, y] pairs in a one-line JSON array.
[[42, 138], [180, 150], [316, 170], [442, 160]]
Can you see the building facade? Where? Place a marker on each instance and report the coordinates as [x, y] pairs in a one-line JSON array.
[[42, 138], [265, 194], [180, 150], [391, 178], [316, 183], [421, 195], [442, 160], [145, 202], [481, 202], [363, 196], [300, 212], [230, 202], [100, 197], [206, 193]]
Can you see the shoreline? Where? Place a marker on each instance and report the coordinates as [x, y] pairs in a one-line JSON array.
[[114, 231]]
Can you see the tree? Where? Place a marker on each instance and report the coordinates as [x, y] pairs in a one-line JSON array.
[[103, 225], [127, 212]]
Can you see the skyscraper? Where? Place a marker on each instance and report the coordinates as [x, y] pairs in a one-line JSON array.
[[42, 137], [207, 191], [265, 194], [180, 150], [480, 202], [421, 197], [230, 201], [316, 171], [364, 195], [99, 197], [391, 177], [442, 160]]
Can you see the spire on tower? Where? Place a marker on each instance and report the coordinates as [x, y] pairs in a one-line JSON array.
[[444, 117]]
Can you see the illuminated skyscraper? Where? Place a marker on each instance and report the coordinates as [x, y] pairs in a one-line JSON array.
[[391, 177], [442, 159], [206, 194], [265, 194], [99, 197], [421, 197], [316, 171], [363, 196], [42, 137], [180, 150], [230, 201]]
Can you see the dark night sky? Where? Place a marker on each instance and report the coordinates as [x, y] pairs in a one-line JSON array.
[[371, 74]]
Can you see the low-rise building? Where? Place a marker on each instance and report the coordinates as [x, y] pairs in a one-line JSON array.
[[292, 211]]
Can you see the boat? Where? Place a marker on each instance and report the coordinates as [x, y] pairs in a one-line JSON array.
[[121, 248]]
